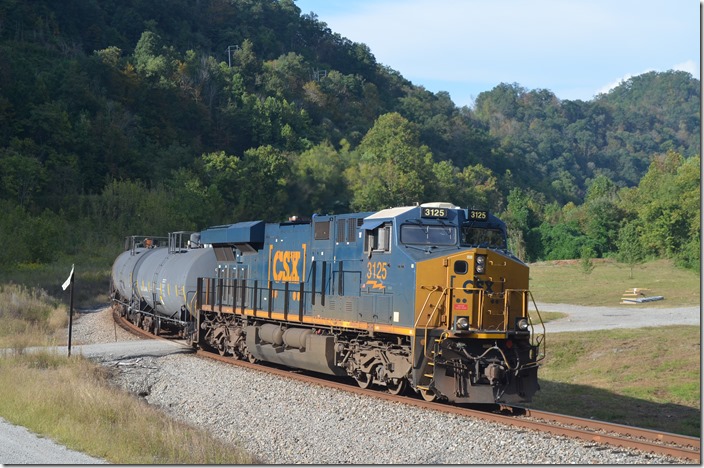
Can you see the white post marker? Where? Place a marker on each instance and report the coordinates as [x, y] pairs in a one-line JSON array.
[[67, 283]]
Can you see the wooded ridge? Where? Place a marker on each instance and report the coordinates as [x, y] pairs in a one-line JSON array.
[[127, 116]]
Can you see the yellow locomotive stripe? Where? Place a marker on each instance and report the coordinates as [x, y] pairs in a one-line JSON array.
[[378, 328], [321, 321]]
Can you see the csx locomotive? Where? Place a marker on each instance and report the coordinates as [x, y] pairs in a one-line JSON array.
[[424, 298]]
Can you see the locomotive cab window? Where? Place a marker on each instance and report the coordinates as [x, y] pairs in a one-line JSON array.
[[473, 236], [378, 239], [425, 234]]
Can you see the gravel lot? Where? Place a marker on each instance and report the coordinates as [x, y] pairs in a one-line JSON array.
[[583, 318], [286, 422]]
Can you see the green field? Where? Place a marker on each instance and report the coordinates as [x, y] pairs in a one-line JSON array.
[[647, 377], [564, 282]]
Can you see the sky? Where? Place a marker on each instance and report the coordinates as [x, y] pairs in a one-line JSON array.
[[574, 48]]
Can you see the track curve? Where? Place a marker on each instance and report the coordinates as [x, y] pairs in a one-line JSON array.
[[657, 442]]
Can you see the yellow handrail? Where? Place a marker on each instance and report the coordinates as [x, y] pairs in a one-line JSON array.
[[430, 318]]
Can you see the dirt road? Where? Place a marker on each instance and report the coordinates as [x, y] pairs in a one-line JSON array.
[[584, 318]]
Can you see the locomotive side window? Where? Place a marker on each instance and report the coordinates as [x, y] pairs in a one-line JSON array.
[[483, 237], [419, 234], [379, 239]]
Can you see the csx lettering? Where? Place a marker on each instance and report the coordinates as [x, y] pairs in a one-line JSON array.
[[285, 265], [487, 285]]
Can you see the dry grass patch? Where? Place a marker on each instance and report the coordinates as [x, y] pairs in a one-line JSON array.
[[30, 317], [70, 401]]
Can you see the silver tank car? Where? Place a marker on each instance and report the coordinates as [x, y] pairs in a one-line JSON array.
[[137, 248], [155, 280]]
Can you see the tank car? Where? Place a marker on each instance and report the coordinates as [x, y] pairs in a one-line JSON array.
[[423, 298], [154, 280]]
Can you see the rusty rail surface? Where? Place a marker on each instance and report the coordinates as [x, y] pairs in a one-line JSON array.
[[618, 435]]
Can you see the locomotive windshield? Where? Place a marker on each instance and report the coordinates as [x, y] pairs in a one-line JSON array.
[[427, 234], [474, 236]]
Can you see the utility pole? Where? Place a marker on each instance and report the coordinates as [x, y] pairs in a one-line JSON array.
[[229, 50]]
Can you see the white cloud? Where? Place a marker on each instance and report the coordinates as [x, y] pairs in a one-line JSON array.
[[688, 66]]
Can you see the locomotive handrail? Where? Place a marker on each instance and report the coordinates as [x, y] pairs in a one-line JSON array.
[[415, 325], [540, 342], [432, 290]]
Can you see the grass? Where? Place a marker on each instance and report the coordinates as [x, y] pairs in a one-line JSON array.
[[563, 282], [71, 401], [648, 377], [30, 317]]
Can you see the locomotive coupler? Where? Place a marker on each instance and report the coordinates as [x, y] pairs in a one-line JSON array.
[[494, 373]]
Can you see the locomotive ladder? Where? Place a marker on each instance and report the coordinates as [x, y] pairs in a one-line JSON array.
[[429, 352]]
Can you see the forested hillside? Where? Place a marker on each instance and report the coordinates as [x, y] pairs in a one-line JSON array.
[[146, 116]]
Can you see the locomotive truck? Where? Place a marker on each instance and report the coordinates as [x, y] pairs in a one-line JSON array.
[[423, 298]]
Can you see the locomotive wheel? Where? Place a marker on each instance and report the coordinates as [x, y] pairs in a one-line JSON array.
[[396, 386], [363, 380], [428, 395]]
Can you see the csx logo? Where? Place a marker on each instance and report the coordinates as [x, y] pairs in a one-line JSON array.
[[286, 265]]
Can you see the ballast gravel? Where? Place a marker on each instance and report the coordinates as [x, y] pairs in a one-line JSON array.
[[284, 421]]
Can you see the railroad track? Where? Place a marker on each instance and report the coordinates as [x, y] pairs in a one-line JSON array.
[[598, 432]]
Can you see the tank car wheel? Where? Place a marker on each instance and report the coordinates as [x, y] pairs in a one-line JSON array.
[[252, 359], [396, 386], [363, 380], [428, 395]]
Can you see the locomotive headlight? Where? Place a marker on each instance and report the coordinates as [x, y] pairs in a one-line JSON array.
[[522, 324], [462, 323], [480, 264]]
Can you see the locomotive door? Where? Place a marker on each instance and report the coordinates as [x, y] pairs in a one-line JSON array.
[[375, 272]]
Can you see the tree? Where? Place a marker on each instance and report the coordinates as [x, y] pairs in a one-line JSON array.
[[475, 186], [318, 181], [392, 166], [21, 177], [522, 218], [630, 250]]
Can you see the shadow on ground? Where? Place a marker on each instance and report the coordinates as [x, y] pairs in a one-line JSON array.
[[590, 402]]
